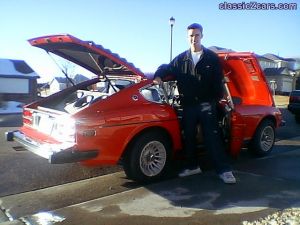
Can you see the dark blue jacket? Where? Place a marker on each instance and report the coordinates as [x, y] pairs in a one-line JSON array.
[[204, 83]]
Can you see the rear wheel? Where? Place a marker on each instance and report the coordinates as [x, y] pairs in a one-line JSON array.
[[263, 139], [148, 158]]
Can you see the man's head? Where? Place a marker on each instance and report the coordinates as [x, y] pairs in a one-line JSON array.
[[195, 34]]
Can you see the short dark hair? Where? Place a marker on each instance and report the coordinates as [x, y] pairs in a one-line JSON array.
[[195, 26]]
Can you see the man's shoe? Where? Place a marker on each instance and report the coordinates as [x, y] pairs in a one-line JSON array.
[[227, 177], [189, 172]]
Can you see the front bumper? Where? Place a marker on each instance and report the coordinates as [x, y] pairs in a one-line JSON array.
[[55, 153]]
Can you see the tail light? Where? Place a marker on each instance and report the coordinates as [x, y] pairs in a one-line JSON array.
[[27, 116], [64, 129]]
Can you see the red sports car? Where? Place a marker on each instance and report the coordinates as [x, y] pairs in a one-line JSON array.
[[121, 117]]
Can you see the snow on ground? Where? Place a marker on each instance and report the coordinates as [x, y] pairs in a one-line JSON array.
[[11, 107]]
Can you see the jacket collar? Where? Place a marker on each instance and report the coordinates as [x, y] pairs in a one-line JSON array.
[[188, 54]]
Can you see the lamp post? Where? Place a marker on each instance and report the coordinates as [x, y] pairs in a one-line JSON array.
[[172, 22]]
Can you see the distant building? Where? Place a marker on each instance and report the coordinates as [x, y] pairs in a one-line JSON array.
[[43, 89], [79, 78], [60, 83], [18, 82], [219, 49], [281, 73], [282, 79]]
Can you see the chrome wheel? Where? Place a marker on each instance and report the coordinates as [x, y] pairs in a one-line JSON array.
[[153, 158], [263, 140], [149, 157], [267, 138]]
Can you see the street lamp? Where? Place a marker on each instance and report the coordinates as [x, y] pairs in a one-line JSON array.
[[172, 22]]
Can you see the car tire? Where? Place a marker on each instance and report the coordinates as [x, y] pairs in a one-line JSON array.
[[297, 118], [148, 158], [263, 139]]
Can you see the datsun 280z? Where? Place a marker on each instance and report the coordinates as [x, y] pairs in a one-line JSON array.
[[120, 117]]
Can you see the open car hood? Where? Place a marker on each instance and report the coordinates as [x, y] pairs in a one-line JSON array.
[[87, 54]]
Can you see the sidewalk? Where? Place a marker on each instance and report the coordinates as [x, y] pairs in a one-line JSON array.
[[281, 101]]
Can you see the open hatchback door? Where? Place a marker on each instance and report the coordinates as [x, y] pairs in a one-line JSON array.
[[87, 54]]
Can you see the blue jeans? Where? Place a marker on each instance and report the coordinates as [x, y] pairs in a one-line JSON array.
[[206, 115]]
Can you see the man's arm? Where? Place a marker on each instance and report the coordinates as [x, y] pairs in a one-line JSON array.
[[219, 80], [164, 73]]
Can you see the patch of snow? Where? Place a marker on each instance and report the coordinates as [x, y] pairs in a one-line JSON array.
[[11, 107]]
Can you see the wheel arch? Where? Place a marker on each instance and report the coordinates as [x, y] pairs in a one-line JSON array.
[[158, 129], [253, 145], [268, 117]]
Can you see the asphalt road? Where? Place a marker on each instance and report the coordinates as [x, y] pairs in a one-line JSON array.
[[23, 171], [291, 129]]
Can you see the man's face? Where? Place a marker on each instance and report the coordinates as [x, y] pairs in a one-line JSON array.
[[194, 38]]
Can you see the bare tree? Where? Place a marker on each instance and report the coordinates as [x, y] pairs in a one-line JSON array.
[[68, 69]]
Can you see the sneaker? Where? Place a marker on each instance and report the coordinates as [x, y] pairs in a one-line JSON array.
[[227, 177], [189, 172]]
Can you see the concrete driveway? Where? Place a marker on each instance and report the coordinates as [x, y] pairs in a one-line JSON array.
[[264, 186]]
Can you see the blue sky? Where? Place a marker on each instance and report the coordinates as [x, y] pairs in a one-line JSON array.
[[139, 30]]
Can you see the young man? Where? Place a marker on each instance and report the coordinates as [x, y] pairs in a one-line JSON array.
[[200, 83]]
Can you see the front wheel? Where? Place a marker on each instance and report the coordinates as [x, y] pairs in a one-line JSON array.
[[148, 158], [263, 139]]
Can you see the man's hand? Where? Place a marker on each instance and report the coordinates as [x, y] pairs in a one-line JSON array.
[[157, 80]]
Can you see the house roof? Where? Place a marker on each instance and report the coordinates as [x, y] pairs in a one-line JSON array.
[[261, 57], [16, 68], [43, 85], [276, 71], [79, 78], [62, 80], [276, 57], [219, 49]]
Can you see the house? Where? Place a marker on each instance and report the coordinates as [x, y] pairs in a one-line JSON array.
[[79, 78], [280, 80], [60, 83], [18, 81], [276, 61], [281, 73], [43, 89]]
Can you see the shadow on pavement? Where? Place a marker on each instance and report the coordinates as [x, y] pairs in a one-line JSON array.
[[11, 120]]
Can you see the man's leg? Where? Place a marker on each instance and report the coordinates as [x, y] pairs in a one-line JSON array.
[[212, 138], [189, 128]]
